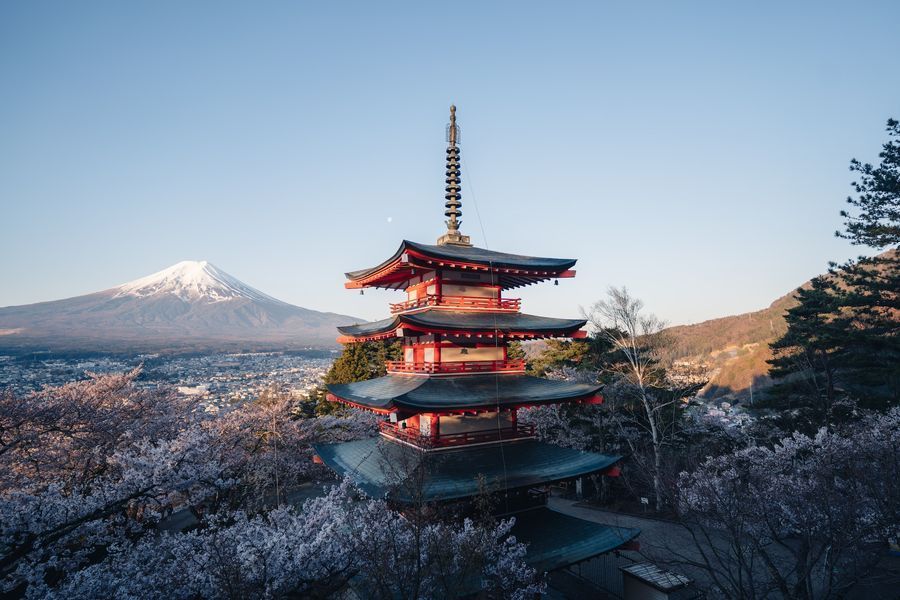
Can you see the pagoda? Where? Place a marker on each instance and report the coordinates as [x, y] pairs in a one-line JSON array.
[[451, 430]]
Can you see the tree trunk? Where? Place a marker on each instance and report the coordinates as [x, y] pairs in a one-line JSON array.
[[657, 468], [657, 451]]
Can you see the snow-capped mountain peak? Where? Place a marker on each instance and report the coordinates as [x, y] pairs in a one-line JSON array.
[[192, 306], [192, 281]]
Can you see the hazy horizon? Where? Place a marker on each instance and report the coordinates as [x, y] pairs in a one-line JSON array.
[[385, 296], [697, 156]]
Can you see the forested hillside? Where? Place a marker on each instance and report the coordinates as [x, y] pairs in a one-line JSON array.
[[732, 350]]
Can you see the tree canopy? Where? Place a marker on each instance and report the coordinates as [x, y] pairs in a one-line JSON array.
[[875, 221], [843, 340]]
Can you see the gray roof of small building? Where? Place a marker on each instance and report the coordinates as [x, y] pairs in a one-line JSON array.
[[420, 393], [471, 254], [388, 469], [664, 581], [450, 320], [556, 541]]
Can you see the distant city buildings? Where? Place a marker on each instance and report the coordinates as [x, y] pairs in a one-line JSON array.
[[219, 381]]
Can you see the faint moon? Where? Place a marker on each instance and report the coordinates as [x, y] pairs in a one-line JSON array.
[[390, 219]]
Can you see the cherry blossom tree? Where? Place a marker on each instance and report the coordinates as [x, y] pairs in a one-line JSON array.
[[313, 552], [86, 463], [281, 552], [579, 426], [89, 469], [806, 519], [268, 450]]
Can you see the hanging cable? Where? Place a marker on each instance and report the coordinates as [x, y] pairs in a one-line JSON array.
[[494, 279]]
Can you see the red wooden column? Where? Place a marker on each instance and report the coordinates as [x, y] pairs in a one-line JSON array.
[[435, 427], [437, 348]]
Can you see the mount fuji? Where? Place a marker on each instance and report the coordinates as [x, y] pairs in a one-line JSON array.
[[192, 305]]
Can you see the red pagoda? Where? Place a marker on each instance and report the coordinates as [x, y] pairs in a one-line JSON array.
[[451, 404]]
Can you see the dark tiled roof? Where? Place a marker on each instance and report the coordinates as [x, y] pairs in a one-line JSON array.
[[471, 254], [383, 468], [372, 328], [447, 320], [556, 540], [490, 257], [422, 393]]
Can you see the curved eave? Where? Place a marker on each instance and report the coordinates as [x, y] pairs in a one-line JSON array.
[[406, 409], [373, 409], [411, 259], [556, 541], [362, 331], [514, 335], [412, 394], [466, 323], [459, 473]]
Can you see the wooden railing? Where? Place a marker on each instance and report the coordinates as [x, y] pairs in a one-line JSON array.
[[475, 366], [413, 436], [512, 304]]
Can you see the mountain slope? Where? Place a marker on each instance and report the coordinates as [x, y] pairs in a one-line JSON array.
[[192, 305], [731, 351]]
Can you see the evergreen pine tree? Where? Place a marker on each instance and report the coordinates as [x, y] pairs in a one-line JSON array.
[[872, 307], [359, 361], [806, 358], [351, 366], [557, 354], [844, 334], [877, 219], [871, 317], [515, 351], [379, 353]]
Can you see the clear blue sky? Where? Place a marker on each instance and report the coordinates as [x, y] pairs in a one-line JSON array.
[[695, 152]]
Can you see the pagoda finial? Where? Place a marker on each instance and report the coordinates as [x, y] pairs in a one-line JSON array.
[[452, 129], [453, 189]]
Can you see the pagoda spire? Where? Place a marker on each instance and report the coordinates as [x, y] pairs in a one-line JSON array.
[[453, 193]]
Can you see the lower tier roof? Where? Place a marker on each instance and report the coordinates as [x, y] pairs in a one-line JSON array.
[[389, 469], [418, 393], [556, 541]]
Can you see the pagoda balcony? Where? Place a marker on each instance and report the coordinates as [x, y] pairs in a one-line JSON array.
[[479, 366], [453, 440], [458, 302]]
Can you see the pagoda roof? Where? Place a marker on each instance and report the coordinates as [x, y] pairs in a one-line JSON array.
[[556, 540], [512, 270], [421, 393], [387, 469], [438, 320]]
